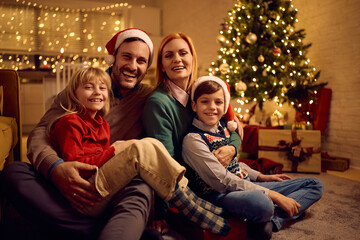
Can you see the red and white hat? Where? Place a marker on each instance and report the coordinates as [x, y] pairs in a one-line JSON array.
[[119, 38], [229, 114]]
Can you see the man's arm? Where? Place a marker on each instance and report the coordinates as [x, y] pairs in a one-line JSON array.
[[40, 152], [64, 175]]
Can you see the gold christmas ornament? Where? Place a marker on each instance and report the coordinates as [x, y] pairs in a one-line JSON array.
[[240, 87], [261, 58], [284, 90], [264, 72], [264, 19], [251, 38], [252, 84], [224, 68], [290, 28]]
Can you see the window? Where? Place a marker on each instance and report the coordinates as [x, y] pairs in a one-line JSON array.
[[31, 35]]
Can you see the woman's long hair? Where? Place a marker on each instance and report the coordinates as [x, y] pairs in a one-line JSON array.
[[160, 75]]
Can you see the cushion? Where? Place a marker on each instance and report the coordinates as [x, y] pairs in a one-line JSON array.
[[1, 100], [8, 138]]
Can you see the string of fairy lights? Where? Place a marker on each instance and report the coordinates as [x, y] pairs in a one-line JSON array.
[[37, 36]]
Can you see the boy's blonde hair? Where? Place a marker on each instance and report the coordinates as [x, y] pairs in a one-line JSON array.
[[80, 77]]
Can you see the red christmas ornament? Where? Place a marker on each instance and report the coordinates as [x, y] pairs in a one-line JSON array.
[[225, 26], [276, 51]]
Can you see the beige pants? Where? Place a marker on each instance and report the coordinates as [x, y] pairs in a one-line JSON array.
[[147, 158]]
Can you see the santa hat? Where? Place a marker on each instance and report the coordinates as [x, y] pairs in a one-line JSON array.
[[229, 114], [119, 38]]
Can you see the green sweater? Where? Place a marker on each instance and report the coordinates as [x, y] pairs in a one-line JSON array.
[[168, 121], [165, 119]]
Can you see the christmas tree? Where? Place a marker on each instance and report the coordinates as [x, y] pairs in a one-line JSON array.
[[263, 57]]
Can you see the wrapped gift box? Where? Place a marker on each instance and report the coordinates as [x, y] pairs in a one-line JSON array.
[[297, 150], [335, 163]]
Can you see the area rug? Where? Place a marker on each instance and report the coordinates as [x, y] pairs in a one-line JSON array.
[[335, 216]]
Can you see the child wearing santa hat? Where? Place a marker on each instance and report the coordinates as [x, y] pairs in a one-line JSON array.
[[266, 201], [209, 178], [210, 97]]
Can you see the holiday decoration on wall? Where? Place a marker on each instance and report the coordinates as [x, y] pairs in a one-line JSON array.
[[261, 47]]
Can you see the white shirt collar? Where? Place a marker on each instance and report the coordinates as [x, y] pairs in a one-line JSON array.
[[201, 125], [178, 93]]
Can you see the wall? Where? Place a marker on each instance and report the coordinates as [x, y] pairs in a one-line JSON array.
[[331, 26], [199, 19]]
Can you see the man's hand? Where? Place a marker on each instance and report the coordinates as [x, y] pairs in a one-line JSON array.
[[79, 192], [225, 154], [272, 178], [289, 205]]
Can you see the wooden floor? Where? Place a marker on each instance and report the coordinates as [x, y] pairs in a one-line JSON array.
[[352, 173]]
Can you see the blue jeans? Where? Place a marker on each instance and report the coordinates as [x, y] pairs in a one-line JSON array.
[[256, 207]]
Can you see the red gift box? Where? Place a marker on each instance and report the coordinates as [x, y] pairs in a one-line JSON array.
[[250, 143], [319, 111]]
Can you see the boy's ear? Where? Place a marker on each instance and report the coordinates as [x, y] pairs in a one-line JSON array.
[[193, 106]]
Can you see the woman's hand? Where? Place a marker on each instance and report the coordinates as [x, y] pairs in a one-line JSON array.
[[79, 192], [272, 178], [225, 154], [289, 205], [240, 129]]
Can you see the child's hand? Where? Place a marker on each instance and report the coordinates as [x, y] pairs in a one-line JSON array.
[[272, 178], [289, 205], [225, 154], [122, 145]]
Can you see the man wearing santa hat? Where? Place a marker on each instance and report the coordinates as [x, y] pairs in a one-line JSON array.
[[31, 187]]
